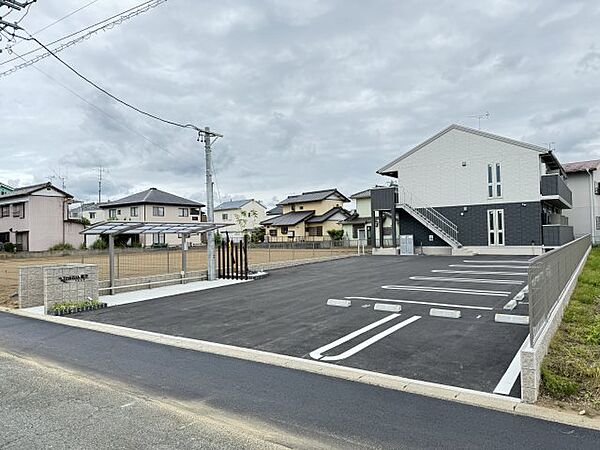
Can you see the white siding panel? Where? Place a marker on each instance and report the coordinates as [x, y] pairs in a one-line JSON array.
[[436, 176]]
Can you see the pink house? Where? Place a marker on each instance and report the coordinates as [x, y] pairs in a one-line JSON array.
[[35, 218]]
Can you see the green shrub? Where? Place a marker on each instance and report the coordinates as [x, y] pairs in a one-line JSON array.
[[8, 247], [60, 247], [557, 385], [82, 246], [68, 306], [336, 235], [258, 235], [99, 244]]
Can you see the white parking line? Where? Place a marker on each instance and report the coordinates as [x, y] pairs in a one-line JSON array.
[[467, 280], [318, 354], [507, 381], [479, 272], [416, 302], [494, 262], [447, 290], [489, 266]]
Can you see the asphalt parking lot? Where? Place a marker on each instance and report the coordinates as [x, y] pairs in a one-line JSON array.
[[286, 313]]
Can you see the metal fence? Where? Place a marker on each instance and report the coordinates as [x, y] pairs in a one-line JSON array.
[[548, 276]]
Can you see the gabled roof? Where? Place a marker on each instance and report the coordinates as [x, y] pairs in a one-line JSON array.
[[277, 211], [6, 186], [385, 170], [289, 219], [152, 196], [233, 204], [329, 214], [28, 190], [314, 196], [581, 166]]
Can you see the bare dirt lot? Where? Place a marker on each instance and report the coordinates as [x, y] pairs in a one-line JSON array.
[[131, 263]]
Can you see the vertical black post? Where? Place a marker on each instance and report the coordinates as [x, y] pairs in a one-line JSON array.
[[227, 255], [394, 237], [219, 261], [373, 229], [381, 241], [238, 273], [245, 257]]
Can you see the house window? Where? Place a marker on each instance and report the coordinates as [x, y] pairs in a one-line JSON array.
[[315, 231], [195, 211], [184, 212], [112, 213], [284, 230], [355, 229], [92, 215], [158, 211], [5, 212], [133, 211], [225, 216], [19, 210], [387, 231], [4, 237], [494, 180], [158, 239], [300, 207], [273, 232], [293, 207], [597, 222]]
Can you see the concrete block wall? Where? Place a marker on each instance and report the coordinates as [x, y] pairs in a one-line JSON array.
[[72, 282], [31, 286], [151, 281]]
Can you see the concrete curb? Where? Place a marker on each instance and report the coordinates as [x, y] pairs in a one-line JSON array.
[[418, 387]]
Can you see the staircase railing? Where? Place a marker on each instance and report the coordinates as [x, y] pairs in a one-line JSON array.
[[428, 213]]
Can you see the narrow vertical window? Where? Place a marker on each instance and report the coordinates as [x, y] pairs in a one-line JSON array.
[[490, 180], [498, 181]]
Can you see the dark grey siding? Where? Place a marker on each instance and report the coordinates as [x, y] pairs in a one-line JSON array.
[[409, 225], [523, 224], [383, 198], [555, 235]]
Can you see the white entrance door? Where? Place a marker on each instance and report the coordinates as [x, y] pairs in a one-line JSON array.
[[495, 223]]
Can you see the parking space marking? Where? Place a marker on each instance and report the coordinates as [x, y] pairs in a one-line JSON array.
[[509, 378], [318, 354], [416, 302], [494, 262], [447, 290], [488, 266], [467, 280], [479, 272]]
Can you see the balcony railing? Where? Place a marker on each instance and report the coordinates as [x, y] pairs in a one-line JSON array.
[[557, 235], [554, 190]]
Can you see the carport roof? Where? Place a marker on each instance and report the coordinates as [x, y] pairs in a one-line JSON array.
[[114, 227]]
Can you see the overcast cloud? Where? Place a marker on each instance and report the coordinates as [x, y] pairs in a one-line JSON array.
[[308, 94]]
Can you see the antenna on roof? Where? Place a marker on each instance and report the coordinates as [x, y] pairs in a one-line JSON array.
[[485, 115], [551, 145]]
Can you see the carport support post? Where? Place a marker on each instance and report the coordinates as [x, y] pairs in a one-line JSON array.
[[381, 241], [183, 256], [373, 229], [111, 263], [394, 236]]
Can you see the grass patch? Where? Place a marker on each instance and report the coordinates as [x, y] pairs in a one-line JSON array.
[[571, 370], [70, 307]]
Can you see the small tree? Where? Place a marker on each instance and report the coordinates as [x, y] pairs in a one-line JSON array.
[[218, 238], [99, 244], [336, 235], [258, 235], [246, 219]]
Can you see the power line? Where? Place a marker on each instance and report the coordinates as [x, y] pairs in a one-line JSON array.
[[102, 25], [65, 17]]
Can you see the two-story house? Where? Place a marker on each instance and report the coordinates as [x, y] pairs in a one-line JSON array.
[[583, 178], [358, 228], [243, 215], [154, 205], [307, 217], [89, 211], [5, 189], [478, 192], [35, 218]]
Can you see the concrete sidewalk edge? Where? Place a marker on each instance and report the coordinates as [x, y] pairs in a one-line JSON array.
[[418, 387]]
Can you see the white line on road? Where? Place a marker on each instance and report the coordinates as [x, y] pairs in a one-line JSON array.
[[447, 290], [495, 262], [507, 381], [479, 272], [467, 280], [317, 353], [362, 345], [416, 302], [489, 266]]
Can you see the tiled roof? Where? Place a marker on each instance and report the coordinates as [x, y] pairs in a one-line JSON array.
[[277, 211], [291, 218], [324, 217], [313, 196], [581, 166], [234, 204], [152, 196], [27, 190]]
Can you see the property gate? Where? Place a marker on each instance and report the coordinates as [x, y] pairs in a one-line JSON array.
[[232, 259]]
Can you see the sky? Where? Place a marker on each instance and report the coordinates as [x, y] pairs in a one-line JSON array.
[[308, 95]]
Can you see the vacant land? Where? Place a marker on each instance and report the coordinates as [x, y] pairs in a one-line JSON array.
[[147, 262], [571, 370]]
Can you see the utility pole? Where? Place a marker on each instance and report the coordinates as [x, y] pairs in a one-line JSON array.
[[100, 170], [207, 136]]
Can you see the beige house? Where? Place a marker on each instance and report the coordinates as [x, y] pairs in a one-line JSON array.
[[154, 205], [243, 215], [358, 225], [35, 218], [90, 211], [307, 217]]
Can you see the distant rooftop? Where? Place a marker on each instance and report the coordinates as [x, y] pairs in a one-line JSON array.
[[27, 190], [581, 166], [314, 196], [235, 204], [153, 196]]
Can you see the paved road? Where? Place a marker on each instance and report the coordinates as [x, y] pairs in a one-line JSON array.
[[286, 313], [300, 409]]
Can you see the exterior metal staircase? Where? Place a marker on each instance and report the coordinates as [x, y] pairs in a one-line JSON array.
[[429, 217]]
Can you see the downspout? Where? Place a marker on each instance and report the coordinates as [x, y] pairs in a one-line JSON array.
[[592, 205]]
